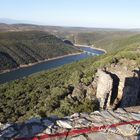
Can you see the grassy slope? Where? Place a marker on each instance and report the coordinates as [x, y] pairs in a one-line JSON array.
[[18, 48], [47, 93]]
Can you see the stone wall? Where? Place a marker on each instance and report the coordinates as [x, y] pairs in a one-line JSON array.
[[104, 125]]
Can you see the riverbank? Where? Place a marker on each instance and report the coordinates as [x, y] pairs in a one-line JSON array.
[[54, 58], [92, 47], [38, 62], [26, 70]]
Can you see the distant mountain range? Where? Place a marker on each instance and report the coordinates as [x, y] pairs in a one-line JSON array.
[[12, 21], [15, 21]]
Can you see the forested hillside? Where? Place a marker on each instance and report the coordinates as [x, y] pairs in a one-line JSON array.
[[21, 48], [78, 35], [50, 93]]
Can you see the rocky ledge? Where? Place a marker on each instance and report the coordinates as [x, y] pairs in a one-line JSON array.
[[101, 125], [115, 86]]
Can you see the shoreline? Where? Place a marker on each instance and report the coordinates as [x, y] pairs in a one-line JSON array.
[[92, 47], [40, 61], [54, 58], [49, 59]]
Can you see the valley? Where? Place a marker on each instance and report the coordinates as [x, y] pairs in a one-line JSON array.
[[68, 89], [29, 69], [18, 49], [70, 70]]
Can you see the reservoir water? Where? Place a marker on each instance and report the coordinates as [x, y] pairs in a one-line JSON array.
[[26, 71]]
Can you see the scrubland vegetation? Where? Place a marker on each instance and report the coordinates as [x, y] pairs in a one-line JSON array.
[[47, 93], [22, 48]]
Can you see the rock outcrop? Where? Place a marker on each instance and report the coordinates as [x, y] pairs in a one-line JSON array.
[[104, 89], [129, 83], [118, 86], [79, 92], [104, 125], [114, 86]]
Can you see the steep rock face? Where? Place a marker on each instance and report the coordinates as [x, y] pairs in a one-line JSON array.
[[131, 90], [114, 86], [129, 83], [119, 85], [104, 88]]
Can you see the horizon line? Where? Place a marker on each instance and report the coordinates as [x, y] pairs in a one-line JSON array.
[[66, 26]]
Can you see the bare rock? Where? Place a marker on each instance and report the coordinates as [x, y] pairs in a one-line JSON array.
[[129, 84], [81, 137], [91, 90], [104, 88], [119, 85], [64, 124], [79, 92], [131, 91], [127, 130], [118, 124]]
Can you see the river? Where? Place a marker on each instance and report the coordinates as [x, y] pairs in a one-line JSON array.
[[26, 71]]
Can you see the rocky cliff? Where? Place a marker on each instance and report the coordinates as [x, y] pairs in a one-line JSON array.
[[119, 85], [115, 86]]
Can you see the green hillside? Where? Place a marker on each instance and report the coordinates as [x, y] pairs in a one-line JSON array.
[[47, 93], [20, 48], [99, 38]]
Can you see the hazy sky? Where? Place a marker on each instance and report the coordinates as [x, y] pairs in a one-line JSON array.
[[89, 13]]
